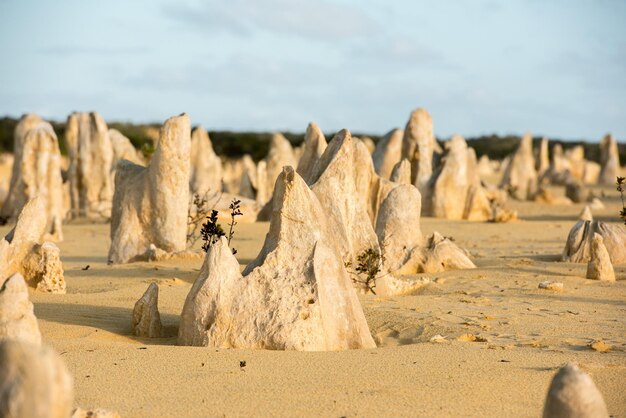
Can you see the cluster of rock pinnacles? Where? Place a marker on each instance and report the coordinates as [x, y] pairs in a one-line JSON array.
[[326, 204]]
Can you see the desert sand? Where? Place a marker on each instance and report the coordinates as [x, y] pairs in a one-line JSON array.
[[479, 342]]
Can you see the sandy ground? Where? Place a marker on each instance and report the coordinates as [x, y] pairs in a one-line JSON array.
[[523, 334]]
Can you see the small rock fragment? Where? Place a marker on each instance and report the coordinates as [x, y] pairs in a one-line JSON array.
[[600, 346], [146, 318], [17, 320], [600, 267], [551, 285]]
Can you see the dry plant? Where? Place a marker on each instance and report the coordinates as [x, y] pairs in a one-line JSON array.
[[212, 231], [370, 265], [198, 212], [620, 188]]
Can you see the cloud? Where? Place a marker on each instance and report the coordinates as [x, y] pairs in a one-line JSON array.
[[319, 20], [66, 50]]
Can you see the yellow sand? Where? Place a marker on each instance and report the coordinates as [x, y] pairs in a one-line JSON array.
[[504, 337]]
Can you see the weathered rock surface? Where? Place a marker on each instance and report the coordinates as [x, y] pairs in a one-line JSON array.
[[17, 318], [123, 149], [418, 146], [280, 155], [520, 176], [206, 166], [599, 266], [572, 394], [38, 173], [441, 254], [455, 188], [388, 153], [314, 146], [34, 382], [146, 318], [542, 162], [89, 172], [401, 172], [296, 295], [21, 252], [579, 241], [43, 268], [609, 160], [150, 203]]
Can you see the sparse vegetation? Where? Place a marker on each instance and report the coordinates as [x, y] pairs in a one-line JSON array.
[[198, 211], [212, 231], [368, 268]]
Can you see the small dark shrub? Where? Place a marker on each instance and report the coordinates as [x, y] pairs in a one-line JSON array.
[[212, 231], [368, 268]]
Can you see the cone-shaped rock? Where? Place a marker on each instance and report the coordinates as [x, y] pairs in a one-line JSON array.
[[343, 185], [572, 394], [542, 162], [91, 157], [150, 203], [280, 155], [206, 166], [314, 146], [585, 214], [609, 160], [17, 319], [388, 153], [520, 176], [600, 267], [441, 254], [296, 295], [146, 318], [579, 241], [401, 172], [34, 382]]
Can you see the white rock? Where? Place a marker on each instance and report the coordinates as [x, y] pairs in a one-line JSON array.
[[401, 172], [34, 382], [296, 295], [150, 203], [542, 162], [280, 154], [123, 149], [17, 319], [572, 394], [146, 318], [441, 254], [388, 153], [314, 146], [206, 166], [551, 285], [520, 177], [38, 174], [609, 160], [89, 172], [418, 146], [579, 241], [599, 266]]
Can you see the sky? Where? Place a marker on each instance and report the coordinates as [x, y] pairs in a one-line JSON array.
[[552, 67]]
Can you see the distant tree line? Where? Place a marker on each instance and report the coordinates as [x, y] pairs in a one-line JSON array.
[[235, 144]]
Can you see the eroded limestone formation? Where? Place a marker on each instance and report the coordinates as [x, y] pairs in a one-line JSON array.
[[21, 251], [401, 172], [17, 318], [38, 173], [34, 382], [206, 166], [580, 240], [146, 318], [388, 153], [418, 146], [296, 295], [89, 172], [520, 176], [599, 266], [542, 162], [314, 146], [572, 394], [150, 203], [280, 154], [609, 160], [123, 149], [455, 187]]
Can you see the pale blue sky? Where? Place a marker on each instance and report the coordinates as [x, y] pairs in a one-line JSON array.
[[555, 67]]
